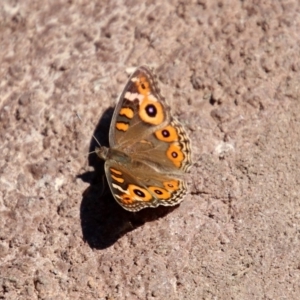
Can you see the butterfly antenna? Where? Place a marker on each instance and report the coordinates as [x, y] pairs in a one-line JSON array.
[[92, 135], [96, 140], [92, 152]]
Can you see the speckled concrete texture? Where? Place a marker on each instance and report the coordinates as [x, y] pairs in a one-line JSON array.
[[231, 71]]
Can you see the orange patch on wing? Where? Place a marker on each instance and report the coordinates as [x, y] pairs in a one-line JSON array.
[[158, 115], [171, 185], [122, 126], [150, 111], [126, 199], [115, 171], [118, 179], [143, 86], [167, 134], [135, 193], [127, 112], [175, 154], [138, 193], [160, 193]]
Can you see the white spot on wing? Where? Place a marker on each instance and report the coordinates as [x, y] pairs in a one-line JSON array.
[[117, 187], [132, 96]]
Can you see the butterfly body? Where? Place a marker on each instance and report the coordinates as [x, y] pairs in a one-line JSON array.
[[149, 149]]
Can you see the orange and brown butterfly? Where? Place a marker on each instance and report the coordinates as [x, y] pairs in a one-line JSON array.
[[149, 149]]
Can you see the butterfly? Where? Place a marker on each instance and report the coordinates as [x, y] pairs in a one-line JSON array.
[[149, 149]]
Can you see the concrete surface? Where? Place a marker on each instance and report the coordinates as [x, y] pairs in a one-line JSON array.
[[230, 69]]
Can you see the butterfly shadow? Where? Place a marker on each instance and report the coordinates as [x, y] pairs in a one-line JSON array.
[[103, 220]]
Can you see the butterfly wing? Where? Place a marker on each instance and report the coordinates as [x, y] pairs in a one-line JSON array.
[[136, 186], [139, 109], [143, 127]]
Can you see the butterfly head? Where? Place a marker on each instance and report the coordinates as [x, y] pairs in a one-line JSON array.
[[102, 152]]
